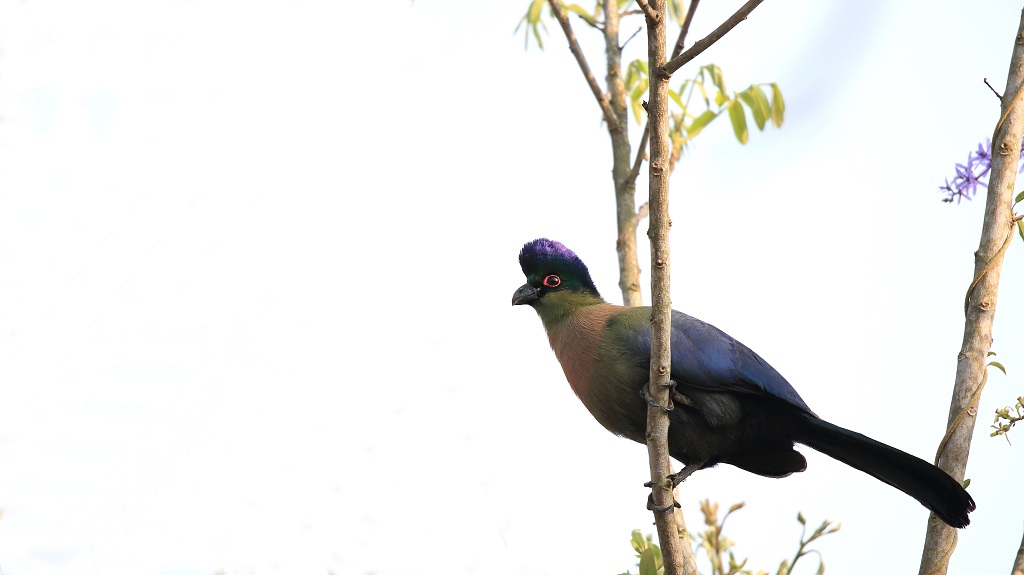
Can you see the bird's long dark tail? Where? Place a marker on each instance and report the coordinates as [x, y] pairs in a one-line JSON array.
[[933, 487]]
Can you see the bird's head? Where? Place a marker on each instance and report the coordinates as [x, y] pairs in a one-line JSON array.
[[551, 268]]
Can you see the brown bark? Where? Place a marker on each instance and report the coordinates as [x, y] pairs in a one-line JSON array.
[[1018, 563], [955, 447], [676, 553], [625, 187], [613, 107]]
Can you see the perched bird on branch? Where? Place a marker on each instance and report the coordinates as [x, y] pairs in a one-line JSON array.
[[729, 405]]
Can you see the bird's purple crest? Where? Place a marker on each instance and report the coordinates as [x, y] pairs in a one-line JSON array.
[[543, 256]]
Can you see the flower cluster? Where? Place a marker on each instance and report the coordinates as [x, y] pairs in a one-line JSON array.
[[969, 176]]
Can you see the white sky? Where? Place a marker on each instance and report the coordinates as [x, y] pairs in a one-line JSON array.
[[256, 262]]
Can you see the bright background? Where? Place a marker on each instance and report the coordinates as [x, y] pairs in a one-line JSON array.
[[256, 262]]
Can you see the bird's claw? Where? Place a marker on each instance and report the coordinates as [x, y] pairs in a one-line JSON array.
[[650, 400], [658, 508]]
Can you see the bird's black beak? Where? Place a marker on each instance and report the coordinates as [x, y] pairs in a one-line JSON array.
[[525, 294]]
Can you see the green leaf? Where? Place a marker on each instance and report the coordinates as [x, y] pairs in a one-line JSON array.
[[716, 76], [763, 103], [990, 353], [582, 13], [636, 539], [967, 483], [533, 23], [739, 121], [636, 99], [635, 72], [1019, 197], [800, 518], [821, 568], [639, 91], [760, 113], [676, 11], [675, 98], [703, 92], [998, 366], [650, 561], [702, 120], [1020, 228], [637, 109], [778, 106], [747, 99]]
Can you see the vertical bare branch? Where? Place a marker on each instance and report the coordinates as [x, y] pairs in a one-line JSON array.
[[940, 539], [613, 107], [625, 188], [678, 558]]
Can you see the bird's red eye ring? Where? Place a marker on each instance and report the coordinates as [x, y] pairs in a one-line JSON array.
[[552, 281]]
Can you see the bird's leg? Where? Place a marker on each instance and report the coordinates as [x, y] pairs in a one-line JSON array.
[[680, 398], [685, 472], [675, 478]]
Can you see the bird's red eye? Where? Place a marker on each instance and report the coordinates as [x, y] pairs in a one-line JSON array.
[[552, 281]]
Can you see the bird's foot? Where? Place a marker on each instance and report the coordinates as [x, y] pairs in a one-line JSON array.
[[674, 396], [686, 471], [658, 508], [650, 400]]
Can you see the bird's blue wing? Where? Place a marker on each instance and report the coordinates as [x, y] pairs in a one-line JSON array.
[[707, 358]]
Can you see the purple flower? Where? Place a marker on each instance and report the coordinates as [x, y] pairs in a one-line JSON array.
[[969, 176]]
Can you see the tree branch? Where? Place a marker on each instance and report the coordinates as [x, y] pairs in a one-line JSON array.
[[631, 36], [640, 151], [652, 16], [642, 148], [706, 42], [998, 95], [678, 48], [1018, 563], [972, 361], [677, 557], [574, 47]]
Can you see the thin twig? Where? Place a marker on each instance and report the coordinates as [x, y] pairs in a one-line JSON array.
[[574, 47], [641, 151], [631, 36], [706, 42], [998, 95], [678, 48]]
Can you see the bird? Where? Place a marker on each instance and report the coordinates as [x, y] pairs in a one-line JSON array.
[[730, 405]]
